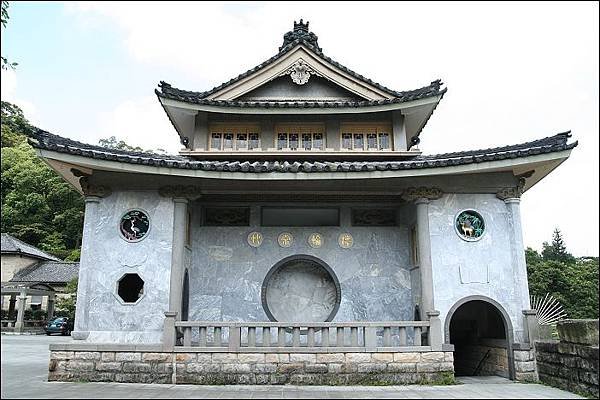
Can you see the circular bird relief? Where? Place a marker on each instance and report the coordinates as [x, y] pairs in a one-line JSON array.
[[469, 225], [134, 225]]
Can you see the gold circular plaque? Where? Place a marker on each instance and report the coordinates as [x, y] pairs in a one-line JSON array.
[[285, 239], [345, 240], [255, 239], [315, 240]]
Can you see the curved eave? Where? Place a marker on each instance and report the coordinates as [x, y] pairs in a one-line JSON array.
[[541, 164], [276, 109]]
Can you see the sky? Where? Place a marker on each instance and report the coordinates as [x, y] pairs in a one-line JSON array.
[[515, 72]]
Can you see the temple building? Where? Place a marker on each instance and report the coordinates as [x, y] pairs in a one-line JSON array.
[[301, 224]]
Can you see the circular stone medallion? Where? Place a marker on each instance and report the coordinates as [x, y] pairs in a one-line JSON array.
[[315, 240], [285, 239], [469, 225], [255, 239], [345, 240], [300, 290], [134, 225]]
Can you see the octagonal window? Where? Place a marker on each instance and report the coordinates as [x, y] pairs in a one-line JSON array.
[[130, 288]]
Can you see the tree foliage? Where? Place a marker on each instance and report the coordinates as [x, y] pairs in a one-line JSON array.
[[573, 281], [5, 63], [38, 206], [65, 306]]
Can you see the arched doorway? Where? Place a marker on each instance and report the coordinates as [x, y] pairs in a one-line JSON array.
[[481, 332]]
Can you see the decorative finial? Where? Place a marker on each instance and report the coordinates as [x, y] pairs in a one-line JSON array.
[[300, 34]]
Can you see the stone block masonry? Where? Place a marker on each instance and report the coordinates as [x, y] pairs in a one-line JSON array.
[[569, 366], [364, 368]]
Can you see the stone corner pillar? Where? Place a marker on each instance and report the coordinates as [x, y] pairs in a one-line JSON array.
[[421, 197], [436, 336], [169, 333], [87, 261], [512, 198], [181, 195], [20, 324], [531, 328]]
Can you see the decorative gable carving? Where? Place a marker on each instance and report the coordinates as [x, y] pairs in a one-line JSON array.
[[300, 72]]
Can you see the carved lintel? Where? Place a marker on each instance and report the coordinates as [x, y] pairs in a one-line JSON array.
[[430, 193], [187, 191], [93, 190]]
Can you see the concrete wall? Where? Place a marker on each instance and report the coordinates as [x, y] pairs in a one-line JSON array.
[[227, 273], [11, 263], [485, 267], [106, 257]]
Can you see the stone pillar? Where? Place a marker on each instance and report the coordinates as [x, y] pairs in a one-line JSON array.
[[531, 331], [178, 254], [11, 306], [50, 307], [399, 131], [21, 312], [169, 334], [511, 197], [87, 265], [421, 197], [424, 249]]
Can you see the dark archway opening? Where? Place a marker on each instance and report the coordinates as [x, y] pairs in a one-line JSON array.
[[479, 335]]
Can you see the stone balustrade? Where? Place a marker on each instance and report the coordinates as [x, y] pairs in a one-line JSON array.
[[332, 337]]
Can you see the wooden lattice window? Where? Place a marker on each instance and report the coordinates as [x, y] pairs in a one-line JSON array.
[[306, 136], [366, 137], [230, 137]]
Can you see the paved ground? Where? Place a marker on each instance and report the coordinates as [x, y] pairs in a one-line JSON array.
[[25, 367]]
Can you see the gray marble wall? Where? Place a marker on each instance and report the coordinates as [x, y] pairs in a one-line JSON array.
[[227, 273], [486, 267], [106, 257]]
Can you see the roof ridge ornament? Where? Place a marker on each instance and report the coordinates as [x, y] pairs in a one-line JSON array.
[[300, 34]]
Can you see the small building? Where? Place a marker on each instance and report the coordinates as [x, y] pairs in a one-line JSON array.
[[31, 280], [301, 223]]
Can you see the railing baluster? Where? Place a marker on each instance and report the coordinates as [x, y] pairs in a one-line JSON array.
[[202, 336], [325, 337], [266, 336], [354, 336], [310, 340], [402, 336], [251, 336], [281, 337], [417, 336], [387, 336], [217, 336], [296, 337], [187, 336], [339, 337]]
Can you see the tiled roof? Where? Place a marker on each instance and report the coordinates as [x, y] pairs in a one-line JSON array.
[[300, 35], [12, 245], [48, 272], [169, 92], [44, 140]]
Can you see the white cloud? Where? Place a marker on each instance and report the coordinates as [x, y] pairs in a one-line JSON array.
[[8, 79], [139, 122]]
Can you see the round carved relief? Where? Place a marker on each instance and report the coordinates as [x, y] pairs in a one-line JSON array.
[[134, 225], [315, 240], [345, 240], [469, 225], [300, 288], [255, 239], [285, 239]]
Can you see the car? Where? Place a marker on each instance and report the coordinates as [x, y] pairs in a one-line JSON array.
[[62, 325]]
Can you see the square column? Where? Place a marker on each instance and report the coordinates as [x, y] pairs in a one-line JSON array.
[[178, 254], [21, 312]]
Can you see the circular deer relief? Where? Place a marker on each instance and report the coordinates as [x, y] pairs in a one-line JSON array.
[[134, 225], [300, 289], [469, 225]]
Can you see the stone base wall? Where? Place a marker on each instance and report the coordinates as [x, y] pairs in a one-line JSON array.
[[525, 365], [569, 366], [376, 368]]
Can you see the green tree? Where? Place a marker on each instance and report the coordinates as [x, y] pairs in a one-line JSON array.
[[573, 281], [114, 143], [65, 306], [38, 206]]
